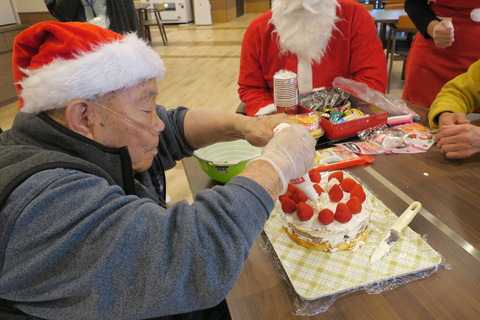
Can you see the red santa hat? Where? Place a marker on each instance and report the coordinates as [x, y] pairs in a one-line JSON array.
[[54, 63]]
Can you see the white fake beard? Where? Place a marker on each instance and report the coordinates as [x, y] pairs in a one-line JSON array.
[[293, 21]]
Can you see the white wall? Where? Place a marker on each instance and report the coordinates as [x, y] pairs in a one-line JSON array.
[[29, 6], [6, 13]]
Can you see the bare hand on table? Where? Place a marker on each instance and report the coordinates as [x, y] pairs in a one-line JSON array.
[[452, 118], [459, 141], [259, 130]]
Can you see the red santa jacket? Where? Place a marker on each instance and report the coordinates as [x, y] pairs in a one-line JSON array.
[[354, 51]]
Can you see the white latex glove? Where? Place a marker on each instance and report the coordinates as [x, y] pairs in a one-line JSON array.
[[290, 152], [443, 34]]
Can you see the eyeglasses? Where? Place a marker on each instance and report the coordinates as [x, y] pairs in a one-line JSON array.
[[135, 123]]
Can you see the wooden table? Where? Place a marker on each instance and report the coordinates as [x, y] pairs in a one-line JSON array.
[[386, 16], [450, 195], [383, 18]]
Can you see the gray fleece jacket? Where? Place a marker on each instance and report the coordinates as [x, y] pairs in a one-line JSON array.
[[80, 239]]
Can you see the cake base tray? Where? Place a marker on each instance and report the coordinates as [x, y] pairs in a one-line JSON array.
[[315, 274]]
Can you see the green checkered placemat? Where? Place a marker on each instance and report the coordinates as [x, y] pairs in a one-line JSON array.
[[316, 274]]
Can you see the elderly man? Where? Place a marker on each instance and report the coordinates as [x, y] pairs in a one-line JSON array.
[[83, 232], [317, 39]]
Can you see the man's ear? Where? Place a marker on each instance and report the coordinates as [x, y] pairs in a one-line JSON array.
[[79, 117]]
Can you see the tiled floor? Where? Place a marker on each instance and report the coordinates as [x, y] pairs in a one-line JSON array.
[[202, 68]]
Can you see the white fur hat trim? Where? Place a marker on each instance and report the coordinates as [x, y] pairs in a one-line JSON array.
[[106, 68]]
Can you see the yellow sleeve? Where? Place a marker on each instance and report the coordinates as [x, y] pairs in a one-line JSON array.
[[461, 94]]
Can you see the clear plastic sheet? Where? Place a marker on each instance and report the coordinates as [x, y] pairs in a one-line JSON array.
[[385, 137], [316, 279], [100, 21], [394, 106], [303, 307], [404, 138]]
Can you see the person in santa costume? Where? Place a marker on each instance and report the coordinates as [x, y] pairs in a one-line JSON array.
[[445, 46], [318, 40], [84, 232]]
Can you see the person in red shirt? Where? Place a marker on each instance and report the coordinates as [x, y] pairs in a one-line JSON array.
[[446, 45], [319, 40]]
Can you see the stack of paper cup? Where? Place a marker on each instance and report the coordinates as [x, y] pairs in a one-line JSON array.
[[285, 92]]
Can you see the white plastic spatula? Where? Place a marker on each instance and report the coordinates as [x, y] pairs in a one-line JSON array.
[[394, 234]]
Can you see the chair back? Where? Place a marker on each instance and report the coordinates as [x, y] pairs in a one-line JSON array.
[[399, 49], [368, 6], [140, 5], [159, 6], [150, 17], [393, 6], [405, 24]]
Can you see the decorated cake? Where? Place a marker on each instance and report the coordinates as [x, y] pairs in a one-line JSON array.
[[338, 220]]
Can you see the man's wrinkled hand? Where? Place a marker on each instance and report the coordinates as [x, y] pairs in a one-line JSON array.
[[451, 119], [459, 141], [259, 130]]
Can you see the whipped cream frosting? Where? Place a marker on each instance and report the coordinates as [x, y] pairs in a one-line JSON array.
[[336, 232]]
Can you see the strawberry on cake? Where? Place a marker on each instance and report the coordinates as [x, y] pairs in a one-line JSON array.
[[338, 220]]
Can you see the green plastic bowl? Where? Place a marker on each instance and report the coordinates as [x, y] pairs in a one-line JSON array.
[[224, 160]]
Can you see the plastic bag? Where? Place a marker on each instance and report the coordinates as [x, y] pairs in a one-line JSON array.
[[387, 138], [310, 120], [101, 21], [304, 307], [404, 138], [394, 106]]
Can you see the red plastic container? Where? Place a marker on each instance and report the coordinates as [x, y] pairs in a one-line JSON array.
[[376, 116]]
